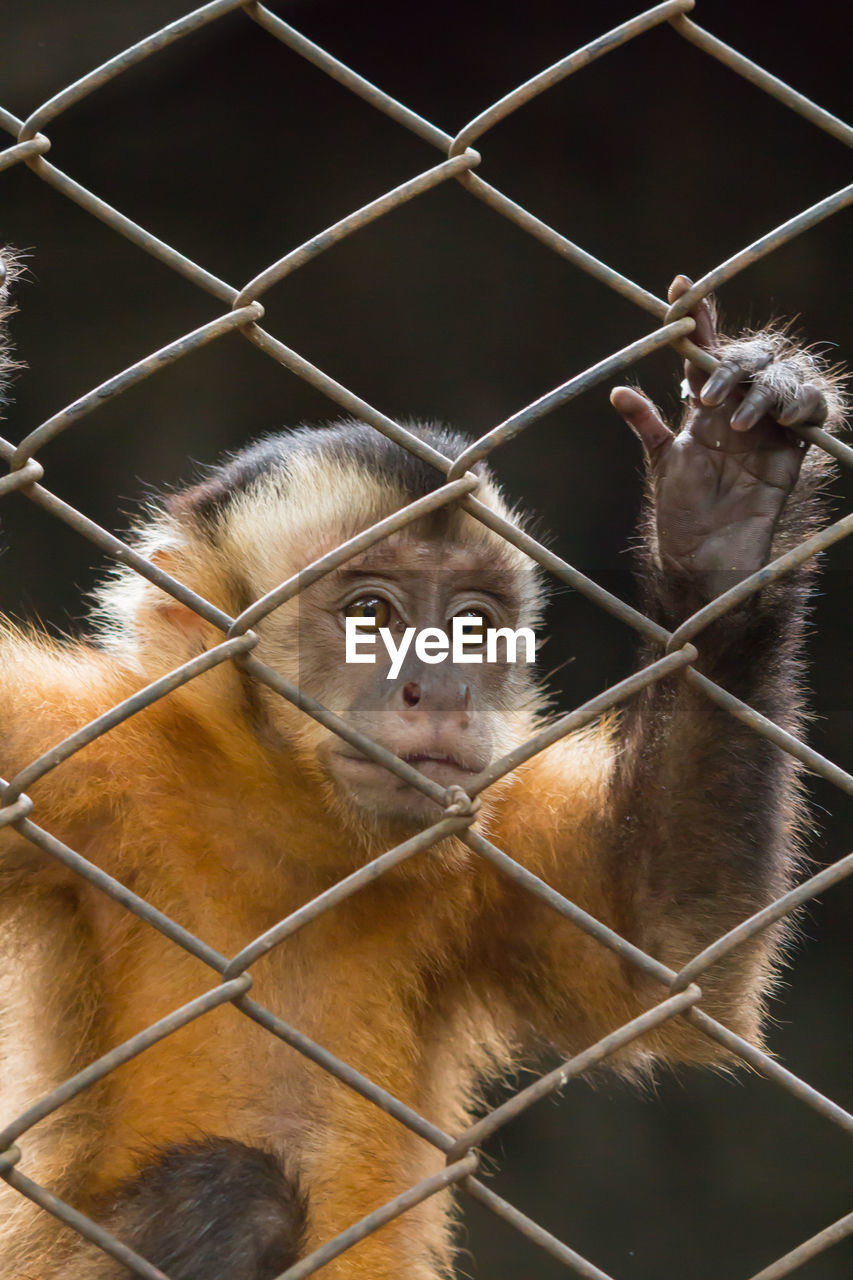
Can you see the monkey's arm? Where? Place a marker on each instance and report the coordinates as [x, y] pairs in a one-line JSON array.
[[696, 826]]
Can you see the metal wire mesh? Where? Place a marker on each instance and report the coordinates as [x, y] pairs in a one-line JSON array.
[[681, 993]]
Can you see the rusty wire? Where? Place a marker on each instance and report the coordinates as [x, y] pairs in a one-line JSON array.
[[680, 994]]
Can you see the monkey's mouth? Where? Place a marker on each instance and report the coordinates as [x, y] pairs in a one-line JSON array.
[[440, 766], [418, 758]]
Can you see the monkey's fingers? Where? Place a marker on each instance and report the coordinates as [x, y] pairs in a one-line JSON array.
[[777, 388], [642, 417], [757, 401], [808, 404], [804, 403], [705, 333], [722, 382]]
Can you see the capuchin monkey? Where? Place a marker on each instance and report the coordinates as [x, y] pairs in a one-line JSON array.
[[220, 1152]]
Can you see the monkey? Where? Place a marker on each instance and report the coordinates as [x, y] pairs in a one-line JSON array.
[[221, 1151]]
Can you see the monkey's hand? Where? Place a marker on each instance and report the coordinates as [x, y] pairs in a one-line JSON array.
[[720, 484]]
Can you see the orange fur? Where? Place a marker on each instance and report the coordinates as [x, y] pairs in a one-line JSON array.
[[428, 981], [185, 809]]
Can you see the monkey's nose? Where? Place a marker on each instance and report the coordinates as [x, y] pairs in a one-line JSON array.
[[411, 694], [433, 697]]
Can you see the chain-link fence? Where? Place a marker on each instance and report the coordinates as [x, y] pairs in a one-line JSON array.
[[243, 312]]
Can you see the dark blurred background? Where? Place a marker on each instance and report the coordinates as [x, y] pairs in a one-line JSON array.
[[656, 159]]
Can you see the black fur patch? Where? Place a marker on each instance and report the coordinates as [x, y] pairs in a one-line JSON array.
[[213, 1210], [347, 441]]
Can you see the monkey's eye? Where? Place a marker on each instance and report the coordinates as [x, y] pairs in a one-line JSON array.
[[478, 624], [370, 607]]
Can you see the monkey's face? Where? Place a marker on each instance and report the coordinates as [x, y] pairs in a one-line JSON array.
[[396, 678]]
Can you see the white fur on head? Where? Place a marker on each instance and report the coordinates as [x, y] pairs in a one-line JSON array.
[[273, 528]]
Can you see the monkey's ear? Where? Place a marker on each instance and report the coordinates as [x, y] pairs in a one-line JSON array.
[[166, 608]]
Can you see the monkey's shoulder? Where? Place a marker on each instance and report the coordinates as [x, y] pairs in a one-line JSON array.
[[552, 803]]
